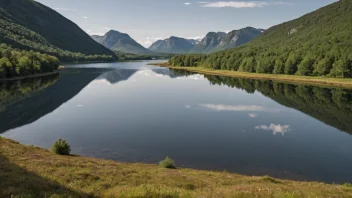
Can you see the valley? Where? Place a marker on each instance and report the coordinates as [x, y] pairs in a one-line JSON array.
[[172, 99]]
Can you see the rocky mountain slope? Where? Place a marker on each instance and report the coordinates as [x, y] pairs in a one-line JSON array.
[[174, 45], [117, 41]]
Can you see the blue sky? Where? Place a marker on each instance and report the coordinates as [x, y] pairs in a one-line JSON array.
[[149, 20]]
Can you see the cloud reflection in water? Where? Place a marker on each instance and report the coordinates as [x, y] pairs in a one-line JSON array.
[[274, 128]]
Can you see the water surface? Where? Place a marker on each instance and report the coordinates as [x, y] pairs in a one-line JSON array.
[[133, 112]]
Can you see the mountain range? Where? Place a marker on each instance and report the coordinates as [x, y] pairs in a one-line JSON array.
[[212, 42], [121, 42], [29, 25]]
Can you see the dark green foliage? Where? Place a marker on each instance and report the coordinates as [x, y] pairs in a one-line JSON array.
[[61, 147], [341, 68], [29, 25], [323, 66], [291, 64], [305, 68], [167, 163], [187, 60], [279, 67], [15, 62], [318, 43]]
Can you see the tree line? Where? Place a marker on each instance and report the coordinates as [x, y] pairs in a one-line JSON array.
[[14, 62]]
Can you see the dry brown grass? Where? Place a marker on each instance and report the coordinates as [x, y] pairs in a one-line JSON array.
[[27, 171]]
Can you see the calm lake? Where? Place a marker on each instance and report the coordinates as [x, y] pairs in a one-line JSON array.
[[132, 112]]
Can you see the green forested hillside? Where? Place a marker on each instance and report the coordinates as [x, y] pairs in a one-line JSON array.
[[29, 25], [318, 43]]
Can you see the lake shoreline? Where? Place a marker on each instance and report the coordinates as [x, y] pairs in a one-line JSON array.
[[90, 176], [311, 80], [29, 76]]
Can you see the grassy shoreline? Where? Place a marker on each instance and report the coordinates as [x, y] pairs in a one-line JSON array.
[[313, 80], [28, 171]]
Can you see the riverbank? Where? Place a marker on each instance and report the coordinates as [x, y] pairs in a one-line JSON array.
[[313, 80], [28, 171], [29, 76]]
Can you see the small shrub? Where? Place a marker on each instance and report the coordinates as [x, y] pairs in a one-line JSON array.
[[190, 187], [270, 179], [167, 163], [61, 147], [349, 185]]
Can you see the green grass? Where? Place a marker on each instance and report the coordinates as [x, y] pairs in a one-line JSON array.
[[28, 171], [313, 80]]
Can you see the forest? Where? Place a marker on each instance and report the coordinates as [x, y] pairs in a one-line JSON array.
[[317, 44], [14, 62]]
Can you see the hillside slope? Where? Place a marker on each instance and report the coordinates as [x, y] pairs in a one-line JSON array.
[[29, 171], [29, 25], [121, 42], [318, 43]]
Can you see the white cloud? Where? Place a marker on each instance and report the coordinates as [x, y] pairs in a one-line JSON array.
[[187, 3], [221, 107], [187, 106], [84, 17], [252, 115], [147, 42], [241, 4], [107, 28], [274, 128], [196, 37]]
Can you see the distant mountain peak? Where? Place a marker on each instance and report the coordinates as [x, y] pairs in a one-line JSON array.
[[216, 41], [173, 44], [121, 42]]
